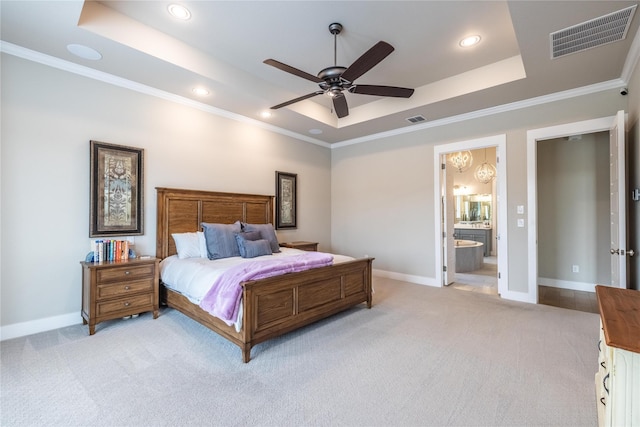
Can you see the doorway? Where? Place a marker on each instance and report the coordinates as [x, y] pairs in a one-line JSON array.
[[468, 216], [614, 126]]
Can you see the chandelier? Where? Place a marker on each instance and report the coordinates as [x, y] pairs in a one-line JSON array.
[[462, 160], [486, 172]]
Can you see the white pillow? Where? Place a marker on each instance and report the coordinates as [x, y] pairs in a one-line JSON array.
[[190, 245]]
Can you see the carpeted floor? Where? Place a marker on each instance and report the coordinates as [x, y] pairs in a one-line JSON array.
[[421, 356]]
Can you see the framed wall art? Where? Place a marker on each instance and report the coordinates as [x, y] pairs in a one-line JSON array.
[[117, 192], [285, 200]]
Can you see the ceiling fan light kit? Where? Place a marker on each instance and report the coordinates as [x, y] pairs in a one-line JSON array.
[[334, 80]]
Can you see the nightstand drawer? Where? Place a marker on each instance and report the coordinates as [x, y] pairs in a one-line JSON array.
[[141, 302], [125, 273], [125, 288]]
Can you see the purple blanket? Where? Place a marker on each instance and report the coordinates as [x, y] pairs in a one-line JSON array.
[[223, 299]]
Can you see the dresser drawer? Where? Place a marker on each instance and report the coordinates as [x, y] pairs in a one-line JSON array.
[[124, 273], [129, 305], [123, 288]]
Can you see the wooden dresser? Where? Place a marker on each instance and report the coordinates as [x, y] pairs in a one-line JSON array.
[[111, 290], [618, 376]]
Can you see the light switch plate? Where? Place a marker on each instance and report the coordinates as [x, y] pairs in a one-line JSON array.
[[520, 222], [520, 209]]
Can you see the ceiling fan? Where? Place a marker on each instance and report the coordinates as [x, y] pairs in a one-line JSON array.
[[336, 79]]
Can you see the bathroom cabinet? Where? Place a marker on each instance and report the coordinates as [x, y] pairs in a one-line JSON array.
[[477, 235]]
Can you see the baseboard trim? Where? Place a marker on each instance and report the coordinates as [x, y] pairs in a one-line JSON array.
[[31, 327], [567, 284], [419, 280]]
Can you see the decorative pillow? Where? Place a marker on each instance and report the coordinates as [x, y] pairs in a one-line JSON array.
[[221, 240], [253, 248], [244, 236], [267, 232], [188, 245]]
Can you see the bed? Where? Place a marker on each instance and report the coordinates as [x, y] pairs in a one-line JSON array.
[[272, 306]]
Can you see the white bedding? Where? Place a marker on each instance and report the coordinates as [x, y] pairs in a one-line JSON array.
[[193, 277]]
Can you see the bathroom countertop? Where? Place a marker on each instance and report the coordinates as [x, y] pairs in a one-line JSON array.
[[472, 226]]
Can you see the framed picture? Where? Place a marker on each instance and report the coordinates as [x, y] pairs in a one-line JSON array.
[[116, 199], [285, 200]]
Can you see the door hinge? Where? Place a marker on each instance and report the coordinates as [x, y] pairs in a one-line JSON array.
[[444, 166], [444, 234], [498, 275], [444, 268]]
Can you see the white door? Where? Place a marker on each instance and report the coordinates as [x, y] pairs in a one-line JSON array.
[[448, 216], [617, 181]]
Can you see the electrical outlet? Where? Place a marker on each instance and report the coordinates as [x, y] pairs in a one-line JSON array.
[[575, 269], [520, 222]]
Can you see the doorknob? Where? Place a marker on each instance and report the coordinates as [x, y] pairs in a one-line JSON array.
[[615, 251], [631, 252]]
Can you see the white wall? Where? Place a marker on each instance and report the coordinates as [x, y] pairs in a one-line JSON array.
[[382, 190], [48, 118]]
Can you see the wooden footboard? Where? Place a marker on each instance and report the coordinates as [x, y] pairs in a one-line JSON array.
[[277, 305]]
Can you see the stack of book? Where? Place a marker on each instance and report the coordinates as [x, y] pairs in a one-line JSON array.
[[111, 250]]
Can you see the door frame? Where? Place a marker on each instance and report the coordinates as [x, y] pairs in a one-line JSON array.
[[500, 236], [602, 124]]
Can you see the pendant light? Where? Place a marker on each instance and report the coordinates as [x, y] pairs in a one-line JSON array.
[[462, 160], [486, 172]]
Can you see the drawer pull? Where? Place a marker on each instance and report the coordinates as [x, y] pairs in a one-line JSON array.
[[604, 383], [126, 288], [603, 365], [126, 272], [599, 342], [602, 401], [126, 304]]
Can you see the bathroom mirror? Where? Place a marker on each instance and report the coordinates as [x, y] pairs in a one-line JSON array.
[[472, 208]]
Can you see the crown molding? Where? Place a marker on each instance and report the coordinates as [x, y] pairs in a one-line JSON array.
[[101, 76]]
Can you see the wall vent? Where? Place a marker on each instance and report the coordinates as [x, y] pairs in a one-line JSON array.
[[596, 32], [416, 119]]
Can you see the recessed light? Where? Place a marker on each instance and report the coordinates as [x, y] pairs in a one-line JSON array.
[[84, 52], [265, 114], [315, 131], [470, 41], [179, 11], [200, 91]]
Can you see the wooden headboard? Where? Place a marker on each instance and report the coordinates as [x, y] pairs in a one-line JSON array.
[[182, 211]]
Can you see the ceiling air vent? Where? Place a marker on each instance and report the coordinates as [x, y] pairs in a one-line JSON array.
[[416, 119], [596, 32]]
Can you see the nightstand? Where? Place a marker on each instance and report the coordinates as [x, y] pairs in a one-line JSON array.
[[305, 246], [115, 289]]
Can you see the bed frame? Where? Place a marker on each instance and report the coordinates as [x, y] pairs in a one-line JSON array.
[[272, 306]]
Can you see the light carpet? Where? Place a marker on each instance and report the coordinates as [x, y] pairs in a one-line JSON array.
[[421, 356]]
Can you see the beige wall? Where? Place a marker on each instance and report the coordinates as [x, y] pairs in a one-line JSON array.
[[48, 118], [382, 190]]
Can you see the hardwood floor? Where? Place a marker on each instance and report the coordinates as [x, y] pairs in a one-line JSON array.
[[485, 281], [566, 298]]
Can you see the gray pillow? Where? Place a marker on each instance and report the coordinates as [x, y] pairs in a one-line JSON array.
[[221, 239], [267, 232], [241, 238], [253, 248]]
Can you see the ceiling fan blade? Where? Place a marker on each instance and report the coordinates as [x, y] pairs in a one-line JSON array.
[[398, 92], [291, 70], [367, 61], [340, 106], [301, 98]]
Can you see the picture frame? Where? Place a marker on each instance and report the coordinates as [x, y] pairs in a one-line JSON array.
[[286, 194], [117, 190]]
